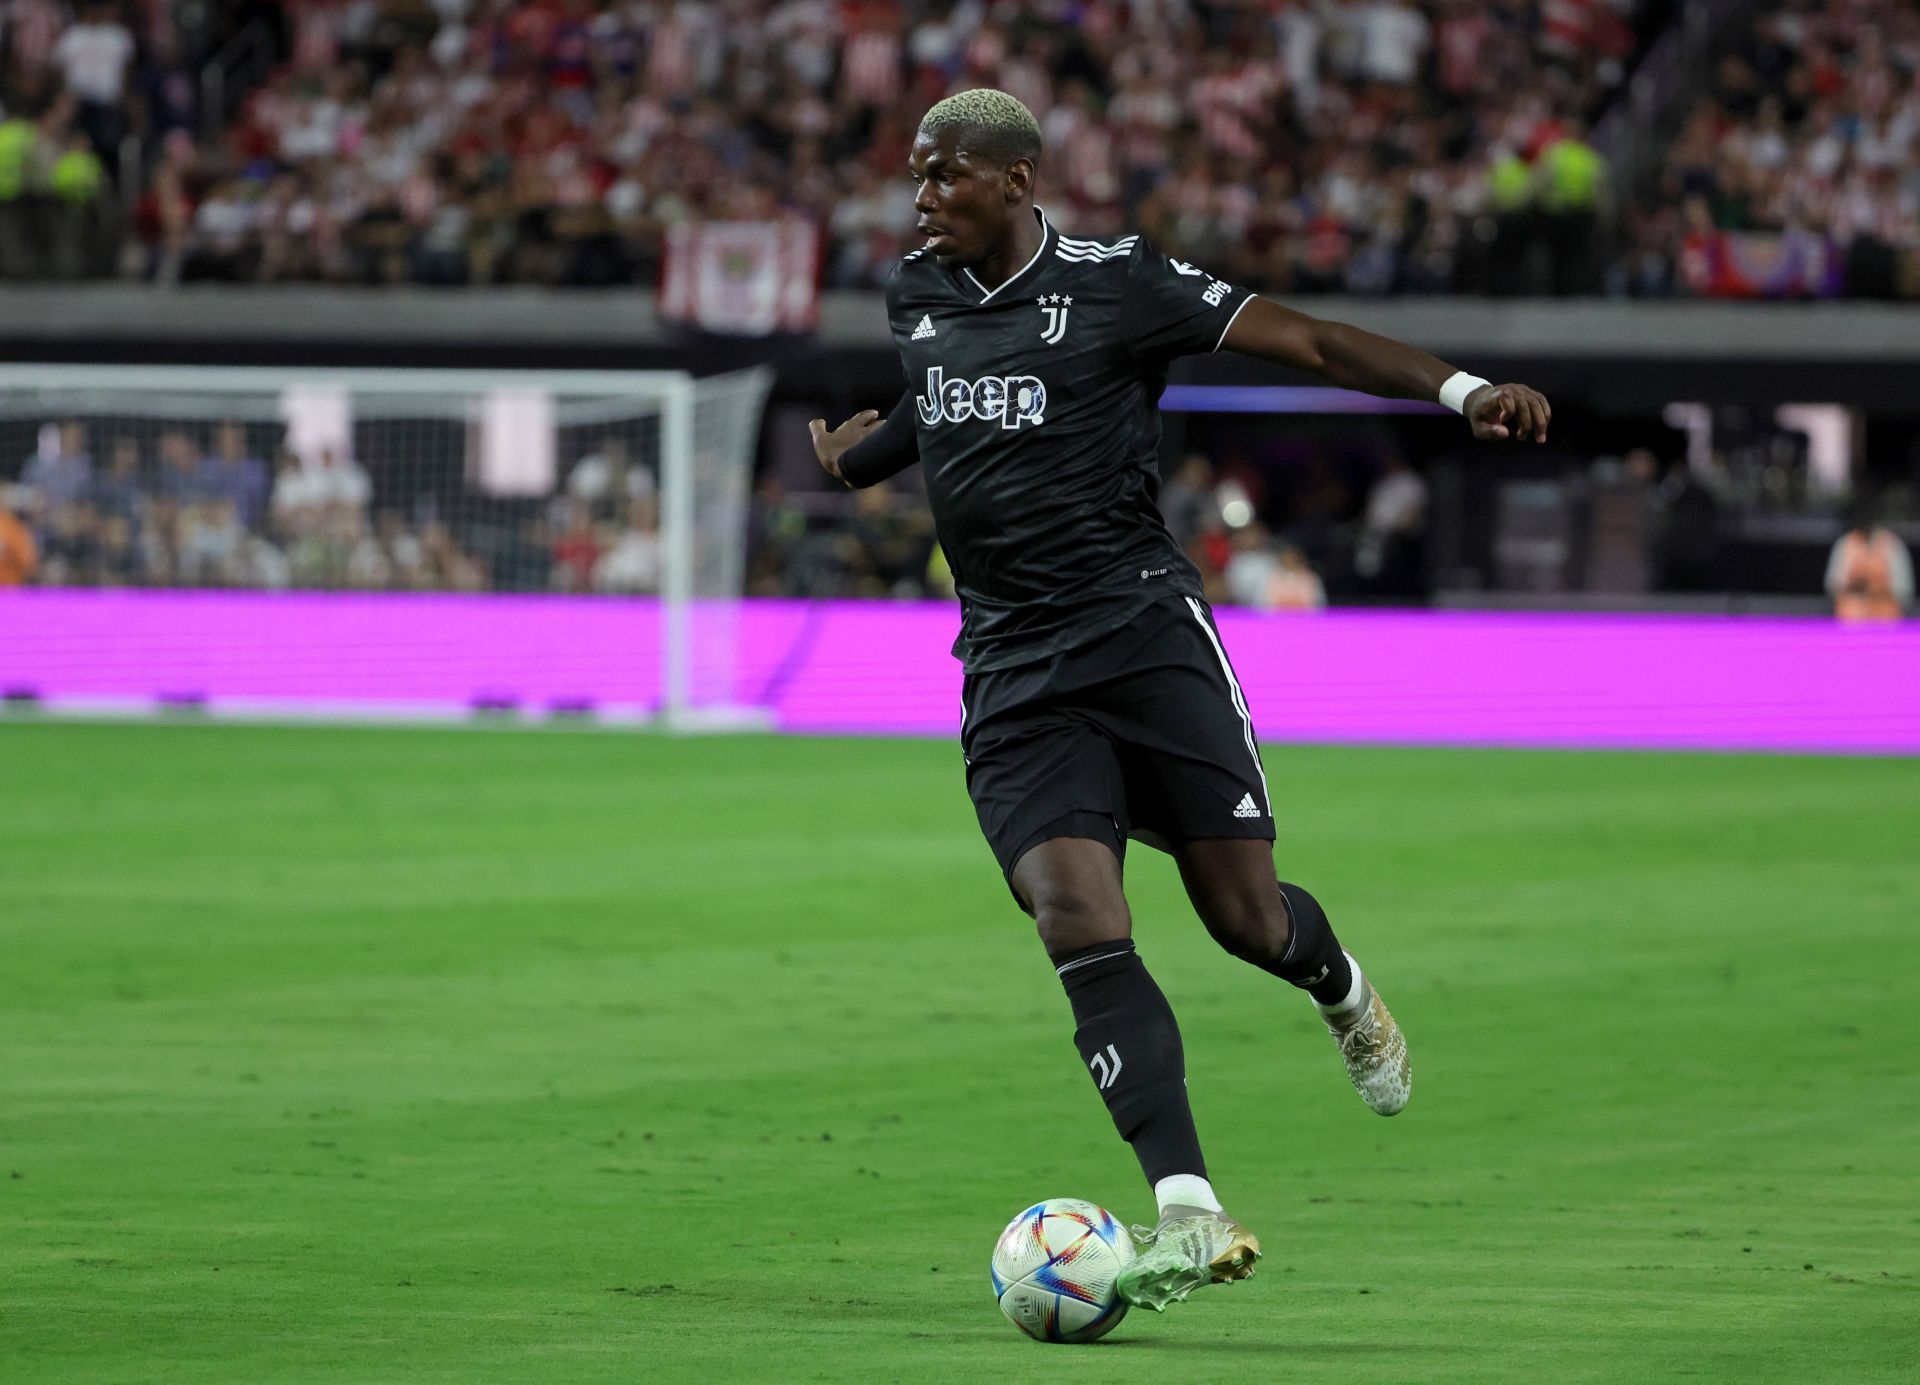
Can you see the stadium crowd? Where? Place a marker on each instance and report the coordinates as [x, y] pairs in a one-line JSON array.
[[181, 510], [1364, 145], [1800, 170]]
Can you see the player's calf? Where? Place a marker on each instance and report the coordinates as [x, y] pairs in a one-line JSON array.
[[1270, 924], [1130, 1043]]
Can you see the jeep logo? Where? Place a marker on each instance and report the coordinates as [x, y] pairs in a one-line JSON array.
[[1014, 400]]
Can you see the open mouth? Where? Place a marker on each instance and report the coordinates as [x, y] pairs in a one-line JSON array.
[[935, 235]]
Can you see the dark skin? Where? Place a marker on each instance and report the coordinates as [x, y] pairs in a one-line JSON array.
[[977, 214]]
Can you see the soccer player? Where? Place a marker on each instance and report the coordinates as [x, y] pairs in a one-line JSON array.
[[1098, 703]]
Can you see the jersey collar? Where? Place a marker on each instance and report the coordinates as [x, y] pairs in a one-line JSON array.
[[1046, 244]]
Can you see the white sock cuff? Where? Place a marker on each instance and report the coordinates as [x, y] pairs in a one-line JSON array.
[[1187, 1190], [1355, 993]]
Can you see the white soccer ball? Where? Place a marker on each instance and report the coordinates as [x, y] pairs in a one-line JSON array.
[[1054, 1269]]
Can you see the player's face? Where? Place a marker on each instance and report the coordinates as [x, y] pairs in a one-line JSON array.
[[961, 199]]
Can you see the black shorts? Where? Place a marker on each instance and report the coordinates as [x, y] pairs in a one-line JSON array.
[[1144, 733]]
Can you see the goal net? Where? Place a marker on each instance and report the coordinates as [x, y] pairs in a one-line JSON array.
[[310, 482]]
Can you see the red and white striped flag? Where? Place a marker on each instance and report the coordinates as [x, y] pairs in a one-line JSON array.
[[743, 278]]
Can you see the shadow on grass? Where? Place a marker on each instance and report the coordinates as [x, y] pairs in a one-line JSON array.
[[1201, 1344], [1230, 1344]]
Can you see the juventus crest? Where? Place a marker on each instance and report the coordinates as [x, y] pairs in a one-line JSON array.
[[1055, 306]]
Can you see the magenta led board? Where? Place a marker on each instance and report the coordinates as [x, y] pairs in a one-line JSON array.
[[1429, 678]]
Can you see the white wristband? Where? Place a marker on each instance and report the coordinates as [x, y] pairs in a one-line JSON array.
[[1459, 385]]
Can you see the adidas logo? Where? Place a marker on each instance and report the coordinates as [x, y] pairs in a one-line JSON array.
[[924, 330], [1248, 808]]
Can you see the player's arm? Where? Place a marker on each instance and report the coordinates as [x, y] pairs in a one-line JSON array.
[[1357, 360], [867, 449]]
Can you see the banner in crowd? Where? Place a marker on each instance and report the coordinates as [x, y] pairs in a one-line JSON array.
[[743, 278], [1757, 264]]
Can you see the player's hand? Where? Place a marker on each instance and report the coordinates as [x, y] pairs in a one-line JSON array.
[[1509, 411], [830, 447]]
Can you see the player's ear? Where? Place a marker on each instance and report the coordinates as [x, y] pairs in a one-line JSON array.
[[1019, 179]]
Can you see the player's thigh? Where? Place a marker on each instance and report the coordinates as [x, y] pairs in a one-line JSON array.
[[1039, 776], [1191, 765]]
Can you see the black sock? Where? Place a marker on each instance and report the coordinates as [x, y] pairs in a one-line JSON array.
[[1313, 960], [1127, 1037]]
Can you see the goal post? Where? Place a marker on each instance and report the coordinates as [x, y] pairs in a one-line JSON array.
[[587, 484]]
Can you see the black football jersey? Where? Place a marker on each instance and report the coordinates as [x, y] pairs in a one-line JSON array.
[[1038, 427]]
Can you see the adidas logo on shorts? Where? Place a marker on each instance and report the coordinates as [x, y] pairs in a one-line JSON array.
[[1247, 807], [924, 330]]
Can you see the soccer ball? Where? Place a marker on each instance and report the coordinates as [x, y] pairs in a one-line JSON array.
[[1054, 1269]]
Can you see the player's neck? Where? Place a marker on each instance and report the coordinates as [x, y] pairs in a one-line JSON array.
[[1014, 253]]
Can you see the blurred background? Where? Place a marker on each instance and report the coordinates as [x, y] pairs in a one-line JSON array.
[[1694, 223]]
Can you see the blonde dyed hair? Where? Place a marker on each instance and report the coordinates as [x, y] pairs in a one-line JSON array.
[[993, 122]]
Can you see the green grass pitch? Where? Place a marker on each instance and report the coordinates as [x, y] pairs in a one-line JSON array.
[[440, 1056]]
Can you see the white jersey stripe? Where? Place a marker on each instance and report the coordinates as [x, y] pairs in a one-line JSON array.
[[1239, 701], [1236, 316]]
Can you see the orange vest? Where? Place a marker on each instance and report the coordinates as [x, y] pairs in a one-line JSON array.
[[1866, 581], [18, 557]]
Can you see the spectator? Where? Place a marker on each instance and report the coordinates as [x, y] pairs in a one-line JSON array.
[[1390, 552], [19, 554], [120, 491], [1869, 571], [1573, 199], [116, 557], [1393, 41], [238, 477], [886, 544], [210, 543], [1295, 586], [24, 163], [446, 565], [608, 479], [60, 472], [297, 502], [1187, 500], [79, 210], [576, 549], [632, 564], [1251, 571], [93, 55], [776, 527], [343, 490], [181, 478], [69, 538]]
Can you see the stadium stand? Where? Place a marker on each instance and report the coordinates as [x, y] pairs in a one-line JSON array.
[[1798, 172], [1366, 147], [1360, 146]]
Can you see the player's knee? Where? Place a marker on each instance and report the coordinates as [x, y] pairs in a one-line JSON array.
[[1069, 915]]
